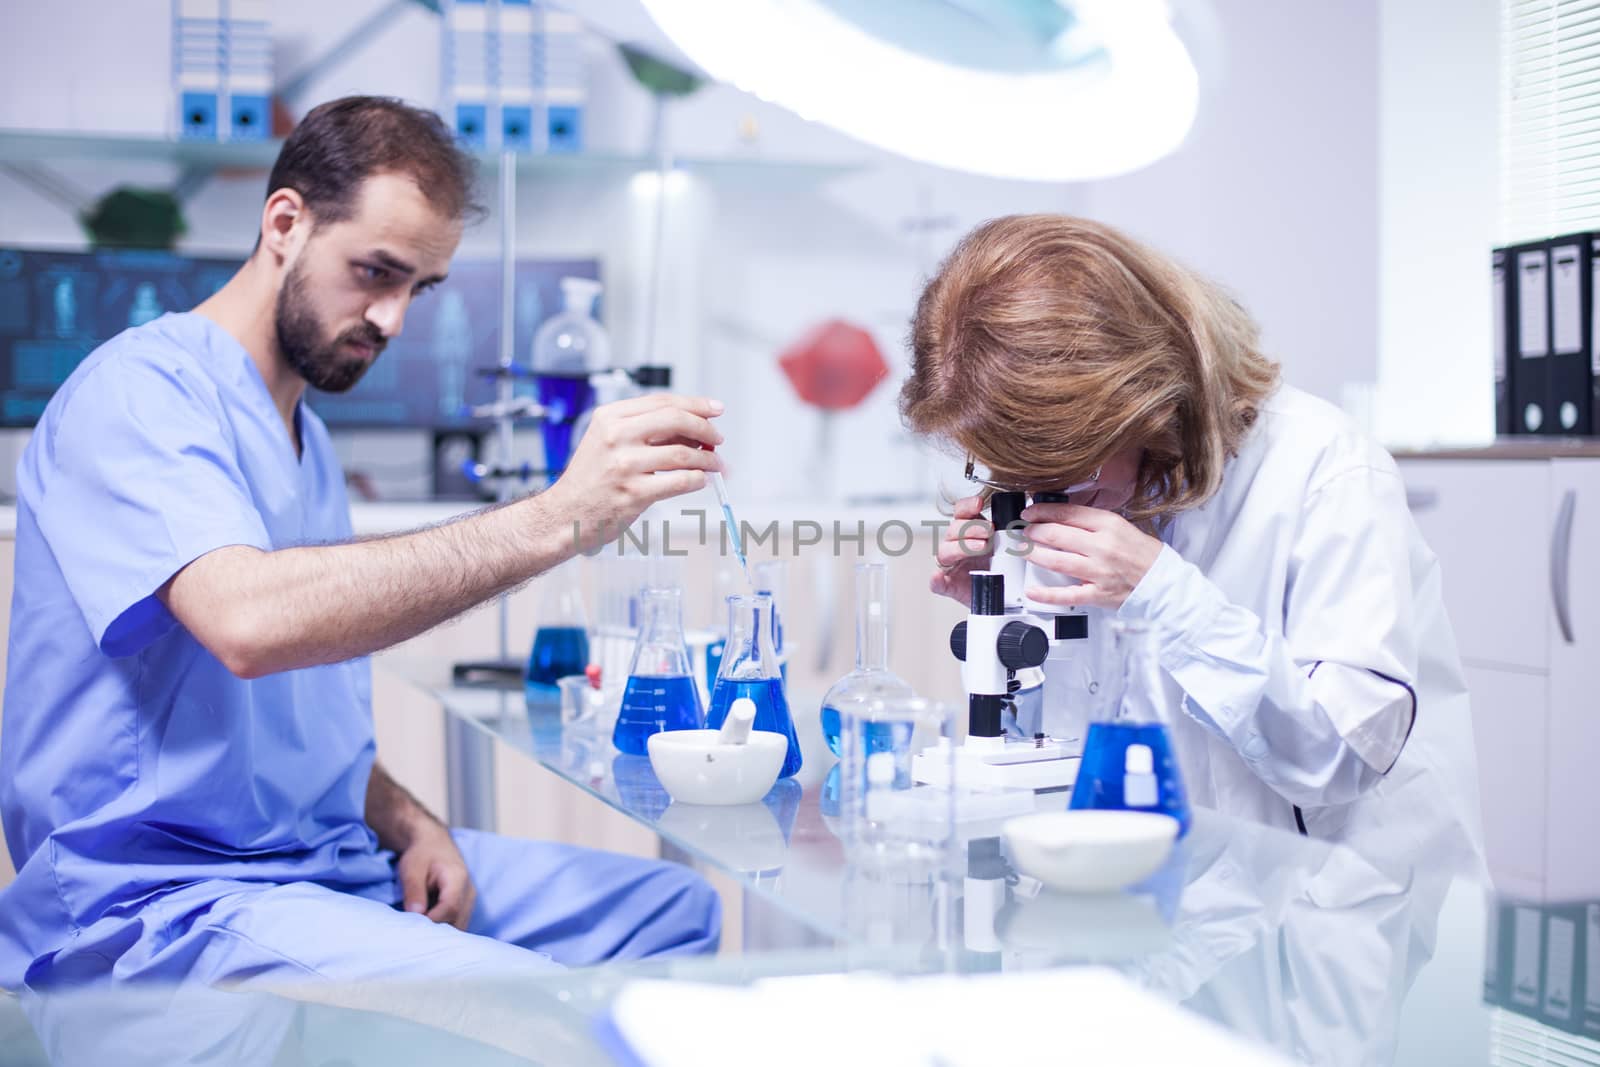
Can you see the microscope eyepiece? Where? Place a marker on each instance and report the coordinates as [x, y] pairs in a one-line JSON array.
[[1005, 509]]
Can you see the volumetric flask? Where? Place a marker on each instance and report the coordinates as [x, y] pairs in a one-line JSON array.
[[872, 677], [661, 692]]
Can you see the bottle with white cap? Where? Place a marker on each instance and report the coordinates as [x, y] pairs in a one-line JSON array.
[[1128, 758]]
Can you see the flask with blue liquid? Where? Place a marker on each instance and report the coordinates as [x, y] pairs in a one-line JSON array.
[[561, 643], [750, 669], [661, 693], [1128, 760], [872, 679]]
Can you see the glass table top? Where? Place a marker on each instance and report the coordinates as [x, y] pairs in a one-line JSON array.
[[1305, 946], [1302, 948]]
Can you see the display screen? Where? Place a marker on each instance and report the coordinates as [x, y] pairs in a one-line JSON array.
[[57, 307]]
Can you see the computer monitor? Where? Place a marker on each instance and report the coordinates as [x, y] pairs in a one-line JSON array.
[[57, 307]]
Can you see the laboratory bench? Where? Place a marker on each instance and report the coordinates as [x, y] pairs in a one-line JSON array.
[[1250, 938]]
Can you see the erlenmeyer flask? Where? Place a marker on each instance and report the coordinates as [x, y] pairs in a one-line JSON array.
[[750, 669], [872, 679], [661, 693], [1128, 760], [561, 643]]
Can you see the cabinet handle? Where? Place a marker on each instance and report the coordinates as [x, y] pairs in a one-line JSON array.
[[1560, 558]]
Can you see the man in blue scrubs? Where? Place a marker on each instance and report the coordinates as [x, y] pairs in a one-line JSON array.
[[187, 772]]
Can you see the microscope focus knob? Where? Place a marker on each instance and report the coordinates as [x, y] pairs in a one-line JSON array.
[[1021, 645], [958, 641]]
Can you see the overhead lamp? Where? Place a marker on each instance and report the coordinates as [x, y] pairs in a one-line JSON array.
[[1049, 90]]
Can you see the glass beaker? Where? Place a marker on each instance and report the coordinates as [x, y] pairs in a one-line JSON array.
[[750, 669], [887, 819], [772, 578], [661, 693], [872, 677], [561, 643], [1128, 760]]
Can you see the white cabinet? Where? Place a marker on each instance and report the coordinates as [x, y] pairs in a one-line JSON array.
[[1518, 542], [1485, 521], [1573, 624]]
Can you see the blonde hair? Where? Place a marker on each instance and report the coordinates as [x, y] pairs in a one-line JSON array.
[[1046, 344]]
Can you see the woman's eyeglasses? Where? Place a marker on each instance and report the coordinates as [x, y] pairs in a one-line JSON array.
[[972, 475]]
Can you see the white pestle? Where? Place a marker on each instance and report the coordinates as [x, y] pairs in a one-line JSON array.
[[736, 727]]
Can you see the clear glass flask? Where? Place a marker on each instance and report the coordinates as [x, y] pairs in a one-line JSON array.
[[561, 643], [1128, 760], [750, 669], [772, 578], [872, 679], [661, 692]]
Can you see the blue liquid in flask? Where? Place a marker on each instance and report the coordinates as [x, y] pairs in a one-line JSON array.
[[772, 712], [651, 704], [714, 652], [880, 736], [557, 652], [1104, 768]]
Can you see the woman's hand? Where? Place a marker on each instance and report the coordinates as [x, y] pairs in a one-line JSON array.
[[966, 548], [1101, 549]]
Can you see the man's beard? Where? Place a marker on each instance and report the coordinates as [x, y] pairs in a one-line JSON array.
[[322, 365]]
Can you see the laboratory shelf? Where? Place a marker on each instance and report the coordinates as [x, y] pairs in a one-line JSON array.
[[46, 146]]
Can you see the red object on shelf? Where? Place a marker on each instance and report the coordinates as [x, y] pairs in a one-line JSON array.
[[834, 366]]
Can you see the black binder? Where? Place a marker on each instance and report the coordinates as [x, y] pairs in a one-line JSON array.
[[1503, 332], [1570, 407], [1529, 356]]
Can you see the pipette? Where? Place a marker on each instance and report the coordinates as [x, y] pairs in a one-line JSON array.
[[733, 525]]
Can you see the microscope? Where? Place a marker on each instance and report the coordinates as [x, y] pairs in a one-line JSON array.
[[1003, 645]]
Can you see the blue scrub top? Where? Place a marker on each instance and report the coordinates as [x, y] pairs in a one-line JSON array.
[[131, 761]]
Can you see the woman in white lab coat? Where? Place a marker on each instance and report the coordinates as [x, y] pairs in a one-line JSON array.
[[1311, 668]]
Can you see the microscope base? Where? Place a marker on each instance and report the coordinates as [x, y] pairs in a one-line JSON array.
[[993, 763]]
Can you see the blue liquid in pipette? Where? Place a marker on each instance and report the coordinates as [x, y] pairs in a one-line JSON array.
[[651, 704], [557, 652], [1104, 766], [772, 712]]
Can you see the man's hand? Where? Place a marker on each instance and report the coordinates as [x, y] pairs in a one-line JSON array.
[[1101, 549], [635, 453], [434, 879], [966, 548]]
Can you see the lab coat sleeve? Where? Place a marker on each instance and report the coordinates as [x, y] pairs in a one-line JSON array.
[[137, 478], [1319, 705]]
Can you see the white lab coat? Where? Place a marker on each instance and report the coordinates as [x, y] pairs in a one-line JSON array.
[[1309, 661]]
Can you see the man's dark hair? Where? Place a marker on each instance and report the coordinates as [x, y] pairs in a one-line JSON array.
[[342, 143]]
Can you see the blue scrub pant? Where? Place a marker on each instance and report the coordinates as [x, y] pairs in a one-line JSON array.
[[540, 906]]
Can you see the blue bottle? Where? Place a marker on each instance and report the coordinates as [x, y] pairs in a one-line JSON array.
[[561, 643], [569, 347], [661, 693], [1128, 760], [750, 669]]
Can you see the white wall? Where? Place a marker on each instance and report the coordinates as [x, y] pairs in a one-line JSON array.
[[1438, 175], [1274, 194]]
